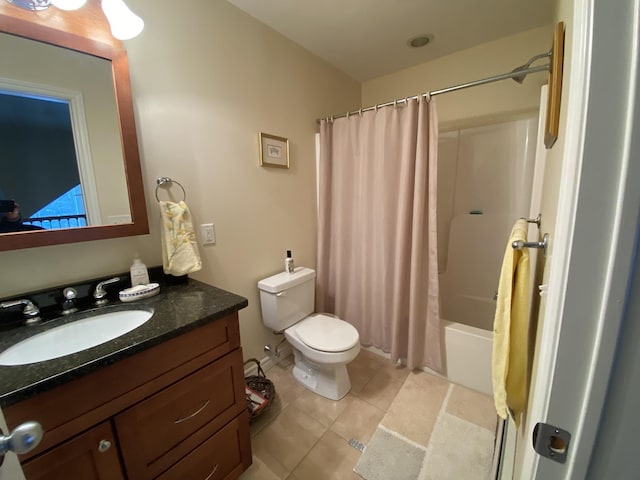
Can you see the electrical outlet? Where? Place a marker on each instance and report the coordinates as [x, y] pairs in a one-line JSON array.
[[208, 234]]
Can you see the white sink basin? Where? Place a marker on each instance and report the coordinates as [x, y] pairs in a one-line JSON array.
[[74, 337]]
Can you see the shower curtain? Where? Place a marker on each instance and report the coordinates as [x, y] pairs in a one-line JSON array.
[[377, 243]]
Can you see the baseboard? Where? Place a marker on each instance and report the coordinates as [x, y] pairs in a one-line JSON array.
[[269, 361]]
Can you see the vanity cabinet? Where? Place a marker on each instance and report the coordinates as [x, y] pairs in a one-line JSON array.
[[176, 410], [89, 456]]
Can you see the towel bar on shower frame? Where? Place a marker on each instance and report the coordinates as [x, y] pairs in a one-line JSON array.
[[519, 244]]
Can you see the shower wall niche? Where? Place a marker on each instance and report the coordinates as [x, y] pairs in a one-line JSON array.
[[484, 185]]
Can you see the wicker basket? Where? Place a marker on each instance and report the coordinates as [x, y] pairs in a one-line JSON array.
[[260, 392]]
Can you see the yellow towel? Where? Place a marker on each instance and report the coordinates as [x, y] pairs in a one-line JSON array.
[[510, 330], [179, 248]]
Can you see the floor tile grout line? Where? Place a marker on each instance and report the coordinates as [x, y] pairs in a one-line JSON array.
[[328, 428], [307, 454]]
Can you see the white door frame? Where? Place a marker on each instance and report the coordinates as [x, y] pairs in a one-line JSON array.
[[594, 236]]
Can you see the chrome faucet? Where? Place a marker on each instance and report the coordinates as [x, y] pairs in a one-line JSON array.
[[30, 311], [69, 303], [100, 293]]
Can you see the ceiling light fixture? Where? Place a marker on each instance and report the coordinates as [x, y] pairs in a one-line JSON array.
[[419, 41], [123, 22]]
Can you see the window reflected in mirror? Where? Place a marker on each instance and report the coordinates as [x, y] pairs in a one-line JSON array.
[[35, 127]]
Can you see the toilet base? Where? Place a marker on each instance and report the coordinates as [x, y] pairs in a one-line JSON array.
[[330, 381]]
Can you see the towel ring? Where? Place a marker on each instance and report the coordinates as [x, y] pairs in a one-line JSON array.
[[166, 180]]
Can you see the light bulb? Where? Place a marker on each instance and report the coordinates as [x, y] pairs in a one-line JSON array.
[[68, 4], [123, 22]]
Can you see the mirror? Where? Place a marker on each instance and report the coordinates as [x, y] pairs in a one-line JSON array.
[[88, 79]]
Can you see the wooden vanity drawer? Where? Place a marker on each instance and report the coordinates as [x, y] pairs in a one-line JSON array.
[[222, 456], [157, 432]]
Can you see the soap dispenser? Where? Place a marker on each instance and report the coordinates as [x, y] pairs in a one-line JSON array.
[[139, 273], [288, 263]]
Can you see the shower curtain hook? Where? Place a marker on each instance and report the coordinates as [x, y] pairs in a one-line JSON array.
[[348, 113], [360, 112], [395, 103], [376, 107], [427, 96]]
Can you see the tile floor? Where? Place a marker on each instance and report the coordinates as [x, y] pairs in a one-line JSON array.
[[306, 437]]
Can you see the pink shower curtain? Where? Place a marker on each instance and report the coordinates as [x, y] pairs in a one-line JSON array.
[[377, 244]]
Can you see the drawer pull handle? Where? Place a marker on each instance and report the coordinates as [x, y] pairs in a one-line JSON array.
[[180, 420], [212, 472], [104, 445]]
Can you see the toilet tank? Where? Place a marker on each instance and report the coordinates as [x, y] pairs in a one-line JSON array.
[[287, 298]]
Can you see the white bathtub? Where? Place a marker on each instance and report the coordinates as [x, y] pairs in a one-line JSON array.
[[468, 356]]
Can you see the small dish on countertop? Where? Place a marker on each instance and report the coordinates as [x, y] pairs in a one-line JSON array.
[[139, 292]]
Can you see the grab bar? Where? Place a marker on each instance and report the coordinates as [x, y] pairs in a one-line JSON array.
[[519, 244]]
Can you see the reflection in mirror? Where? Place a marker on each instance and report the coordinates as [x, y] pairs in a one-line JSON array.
[[59, 127], [70, 156]]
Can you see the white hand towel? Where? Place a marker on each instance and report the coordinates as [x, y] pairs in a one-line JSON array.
[[180, 253]]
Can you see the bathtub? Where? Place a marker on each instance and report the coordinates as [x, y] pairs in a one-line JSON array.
[[468, 356]]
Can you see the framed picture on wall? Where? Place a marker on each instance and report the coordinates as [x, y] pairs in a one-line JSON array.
[[274, 151]]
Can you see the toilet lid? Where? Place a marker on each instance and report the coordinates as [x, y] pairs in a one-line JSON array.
[[327, 334]]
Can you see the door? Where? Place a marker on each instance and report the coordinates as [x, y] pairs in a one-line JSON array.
[[10, 468], [92, 455], [592, 243]]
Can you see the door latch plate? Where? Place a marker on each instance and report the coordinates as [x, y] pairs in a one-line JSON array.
[[551, 442]]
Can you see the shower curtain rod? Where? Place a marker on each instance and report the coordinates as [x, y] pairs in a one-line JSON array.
[[475, 83]]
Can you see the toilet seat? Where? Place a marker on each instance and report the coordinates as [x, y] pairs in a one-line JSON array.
[[327, 334]]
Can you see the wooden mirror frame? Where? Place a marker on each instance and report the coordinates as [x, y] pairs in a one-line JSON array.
[[86, 31]]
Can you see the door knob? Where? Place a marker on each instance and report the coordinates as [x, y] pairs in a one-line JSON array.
[[24, 438]]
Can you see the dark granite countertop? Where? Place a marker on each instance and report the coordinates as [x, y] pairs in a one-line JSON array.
[[177, 309]]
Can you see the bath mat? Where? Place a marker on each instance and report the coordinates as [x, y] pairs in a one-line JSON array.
[[458, 449], [388, 456]]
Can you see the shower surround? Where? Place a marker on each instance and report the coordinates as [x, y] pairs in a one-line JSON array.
[[484, 184]]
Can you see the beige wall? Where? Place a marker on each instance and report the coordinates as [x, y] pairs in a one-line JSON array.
[[504, 100], [206, 79]]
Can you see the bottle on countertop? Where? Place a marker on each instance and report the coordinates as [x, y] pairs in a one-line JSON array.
[[139, 273], [288, 263]]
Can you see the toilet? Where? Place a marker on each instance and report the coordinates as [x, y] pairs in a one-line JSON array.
[[322, 344]]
